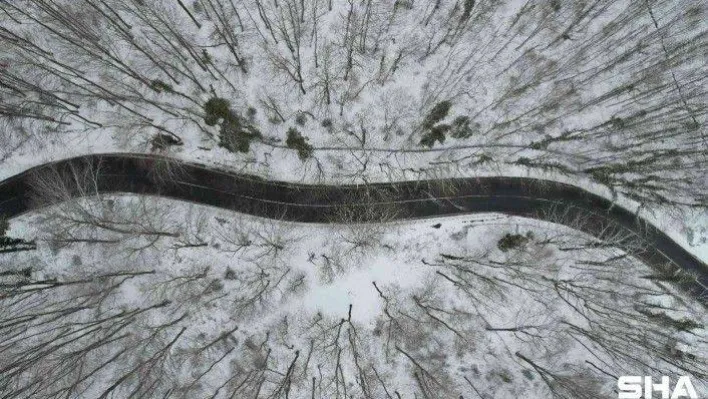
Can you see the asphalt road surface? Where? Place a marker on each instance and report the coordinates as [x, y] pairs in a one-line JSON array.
[[533, 198]]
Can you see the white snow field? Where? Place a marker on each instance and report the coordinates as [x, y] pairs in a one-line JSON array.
[[146, 296]]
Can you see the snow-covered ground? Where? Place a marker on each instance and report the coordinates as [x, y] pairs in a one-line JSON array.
[[432, 305]]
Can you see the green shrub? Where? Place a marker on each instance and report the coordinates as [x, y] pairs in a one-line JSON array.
[[251, 113], [298, 142], [617, 122], [692, 125], [301, 119], [505, 376], [438, 113], [211, 120], [215, 285], [405, 4], [206, 58], [512, 241], [236, 135], [327, 124], [435, 134], [160, 86], [484, 158], [217, 106], [230, 274], [469, 4], [461, 127], [161, 141]]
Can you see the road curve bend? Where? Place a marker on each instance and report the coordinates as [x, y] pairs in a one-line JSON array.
[[527, 197]]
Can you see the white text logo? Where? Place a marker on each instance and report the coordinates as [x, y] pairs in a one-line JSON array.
[[635, 387]]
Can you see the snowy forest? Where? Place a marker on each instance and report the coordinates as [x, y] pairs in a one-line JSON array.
[[129, 296]]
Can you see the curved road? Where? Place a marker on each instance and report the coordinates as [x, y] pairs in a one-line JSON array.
[[539, 199]]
